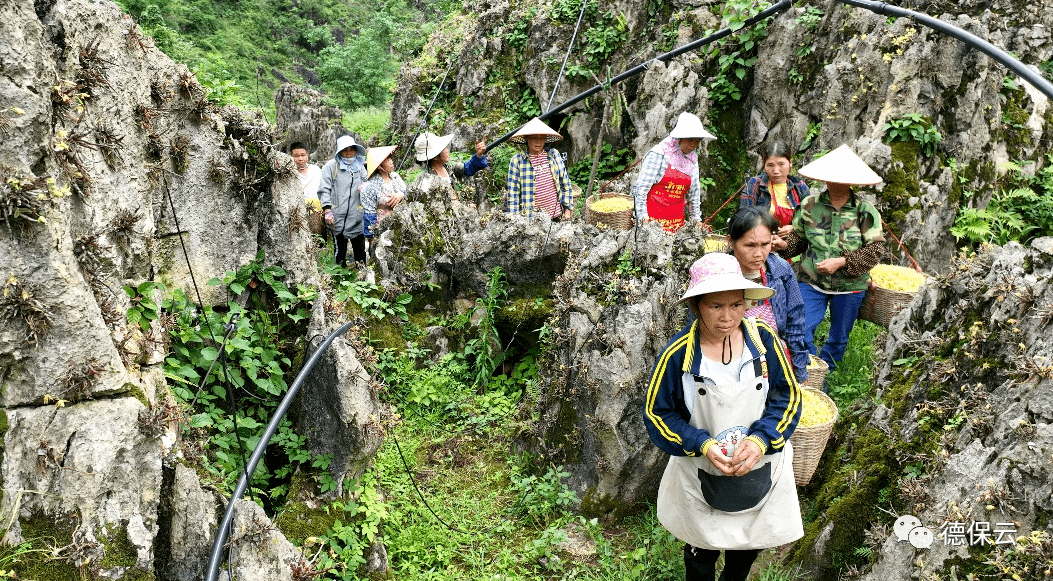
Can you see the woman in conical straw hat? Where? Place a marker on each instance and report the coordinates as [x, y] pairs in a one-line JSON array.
[[668, 180], [723, 402], [384, 190], [433, 152], [838, 236], [537, 178]]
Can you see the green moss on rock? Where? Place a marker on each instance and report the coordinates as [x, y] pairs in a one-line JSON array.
[[849, 502], [120, 553], [299, 521], [43, 531]]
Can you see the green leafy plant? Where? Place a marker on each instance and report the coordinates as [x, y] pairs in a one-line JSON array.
[[144, 307], [914, 127], [256, 358], [519, 31], [810, 18], [810, 136], [1019, 214], [736, 55], [545, 497], [611, 164]]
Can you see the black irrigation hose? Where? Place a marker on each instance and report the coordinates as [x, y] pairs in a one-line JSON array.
[[1036, 80], [570, 47], [223, 530], [783, 5]]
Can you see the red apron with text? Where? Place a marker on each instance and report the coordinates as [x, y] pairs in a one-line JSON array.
[[667, 198]]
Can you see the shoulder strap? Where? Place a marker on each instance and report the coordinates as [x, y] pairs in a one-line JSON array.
[[754, 333]]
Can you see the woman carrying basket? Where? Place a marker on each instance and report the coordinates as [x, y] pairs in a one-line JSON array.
[[723, 402], [838, 235], [668, 180]]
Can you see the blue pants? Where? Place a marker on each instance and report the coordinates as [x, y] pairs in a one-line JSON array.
[[843, 311]]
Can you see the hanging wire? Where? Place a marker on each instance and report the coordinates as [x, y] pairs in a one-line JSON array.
[[424, 119], [570, 47], [453, 528]]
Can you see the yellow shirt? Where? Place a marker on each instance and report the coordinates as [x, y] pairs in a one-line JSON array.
[[778, 196]]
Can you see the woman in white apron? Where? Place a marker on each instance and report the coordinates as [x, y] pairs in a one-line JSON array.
[[723, 402]]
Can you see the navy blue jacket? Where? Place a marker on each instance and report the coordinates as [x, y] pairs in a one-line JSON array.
[[668, 419]]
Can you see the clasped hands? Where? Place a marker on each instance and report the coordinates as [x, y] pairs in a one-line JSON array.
[[747, 454]]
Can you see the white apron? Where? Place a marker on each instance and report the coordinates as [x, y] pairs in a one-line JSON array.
[[704, 508]]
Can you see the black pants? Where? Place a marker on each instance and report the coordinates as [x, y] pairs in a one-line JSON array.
[[358, 248], [701, 564]]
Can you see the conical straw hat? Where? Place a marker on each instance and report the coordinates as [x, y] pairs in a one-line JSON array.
[[536, 127], [376, 156], [689, 126], [841, 166], [429, 145]]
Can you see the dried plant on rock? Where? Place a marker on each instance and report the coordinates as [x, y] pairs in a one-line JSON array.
[[19, 302]]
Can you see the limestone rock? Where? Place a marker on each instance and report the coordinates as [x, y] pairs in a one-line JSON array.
[[89, 458], [303, 116], [257, 549], [192, 514], [337, 407]]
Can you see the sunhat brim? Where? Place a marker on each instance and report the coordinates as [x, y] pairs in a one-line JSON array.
[[689, 126], [435, 145], [728, 281], [536, 127], [376, 156]]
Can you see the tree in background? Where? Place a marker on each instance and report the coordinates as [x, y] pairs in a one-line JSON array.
[[359, 72]]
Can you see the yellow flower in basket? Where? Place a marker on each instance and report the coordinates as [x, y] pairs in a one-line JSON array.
[[615, 204], [814, 410], [897, 278]]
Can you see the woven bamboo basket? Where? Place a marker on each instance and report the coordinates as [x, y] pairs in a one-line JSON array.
[[816, 375], [881, 304], [810, 442], [621, 220]]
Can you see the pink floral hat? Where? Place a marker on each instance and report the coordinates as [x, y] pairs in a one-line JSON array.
[[716, 272]]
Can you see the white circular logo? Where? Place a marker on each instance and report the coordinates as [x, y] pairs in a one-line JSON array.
[[904, 525]]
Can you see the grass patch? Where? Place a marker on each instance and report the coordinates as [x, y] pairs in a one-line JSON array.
[[368, 122]]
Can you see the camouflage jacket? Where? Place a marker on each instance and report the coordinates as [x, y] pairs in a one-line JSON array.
[[832, 233]]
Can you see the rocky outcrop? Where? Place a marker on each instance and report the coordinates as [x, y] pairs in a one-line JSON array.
[[337, 409], [116, 172], [960, 431], [302, 115]]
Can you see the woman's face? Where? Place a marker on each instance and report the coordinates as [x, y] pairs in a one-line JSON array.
[[721, 312], [444, 155], [753, 248], [778, 169], [388, 165], [348, 152], [687, 145], [535, 144]]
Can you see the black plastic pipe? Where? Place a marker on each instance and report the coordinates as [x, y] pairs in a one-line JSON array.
[[783, 5], [216, 558], [1036, 80]]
